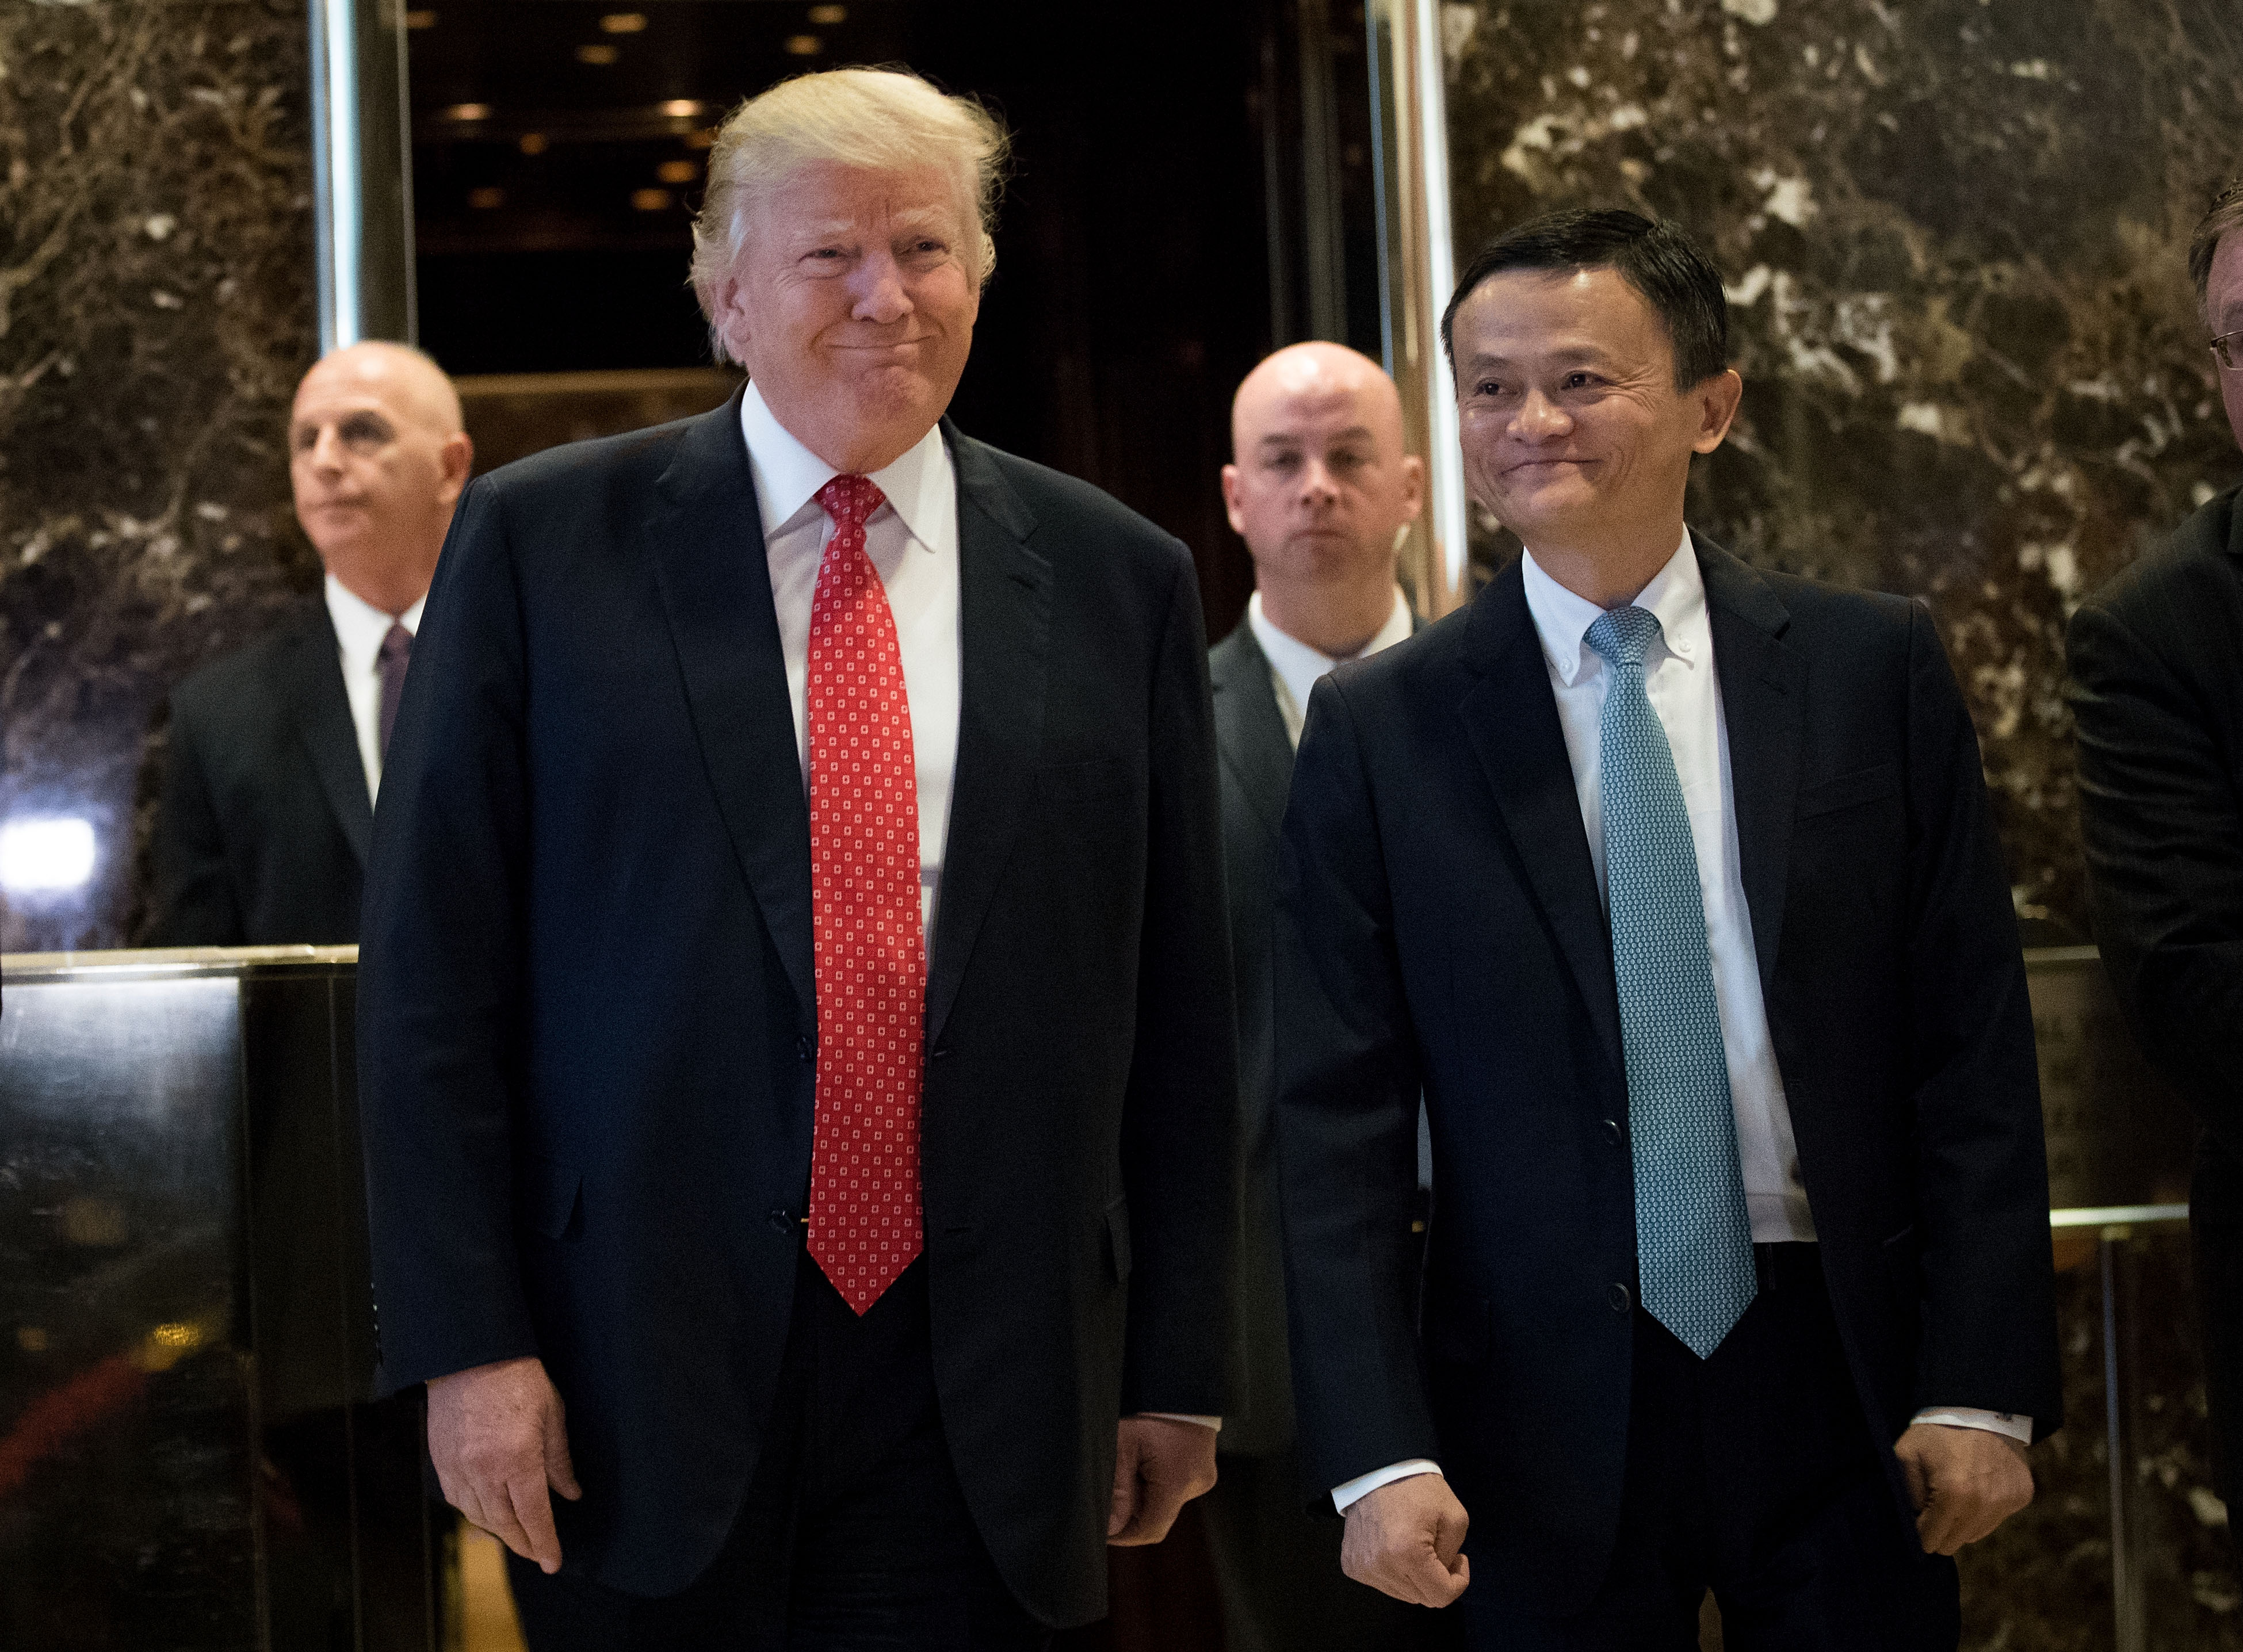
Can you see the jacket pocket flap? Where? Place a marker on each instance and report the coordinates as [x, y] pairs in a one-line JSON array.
[[551, 1198], [1847, 791], [1117, 1236]]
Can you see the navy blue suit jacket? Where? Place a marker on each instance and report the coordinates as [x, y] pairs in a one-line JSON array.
[[1439, 924], [588, 1023]]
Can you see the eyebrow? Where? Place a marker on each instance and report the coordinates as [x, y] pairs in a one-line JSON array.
[[1353, 433], [1570, 352]]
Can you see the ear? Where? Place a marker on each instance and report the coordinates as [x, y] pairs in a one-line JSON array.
[[729, 318], [1716, 401], [1230, 501], [455, 460], [1413, 487]]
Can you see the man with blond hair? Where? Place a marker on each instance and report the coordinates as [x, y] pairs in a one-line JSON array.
[[275, 751], [1321, 491], [798, 1058]]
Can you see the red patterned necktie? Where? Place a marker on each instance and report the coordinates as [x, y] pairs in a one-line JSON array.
[[871, 955]]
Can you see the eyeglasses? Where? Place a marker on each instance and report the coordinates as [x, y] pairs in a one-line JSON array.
[[2227, 350]]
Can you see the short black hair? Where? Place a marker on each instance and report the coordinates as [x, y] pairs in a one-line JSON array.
[[1650, 254], [2225, 216]]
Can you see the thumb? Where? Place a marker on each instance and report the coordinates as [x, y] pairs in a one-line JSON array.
[[1124, 1508], [1449, 1538], [560, 1473], [1918, 1482]]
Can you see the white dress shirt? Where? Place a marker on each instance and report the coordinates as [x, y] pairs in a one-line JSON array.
[[1685, 691], [1294, 666], [359, 627], [913, 542]]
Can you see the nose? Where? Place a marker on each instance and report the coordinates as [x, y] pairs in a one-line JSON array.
[[1539, 419], [880, 294], [1317, 488], [327, 451]]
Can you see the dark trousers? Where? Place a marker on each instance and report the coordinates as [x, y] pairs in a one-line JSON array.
[[853, 1537], [1277, 1568], [1753, 1474]]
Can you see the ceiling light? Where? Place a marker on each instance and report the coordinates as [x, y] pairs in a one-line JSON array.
[[826, 16], [804, 45], [486, 199], [45, 856], [678, 171], [681, 108], [598, 56], [650, 200], [623, 22], [701, 139], [468, 112], [534, 143], [419, 19]]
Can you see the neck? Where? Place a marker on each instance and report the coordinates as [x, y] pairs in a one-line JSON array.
[[1338, 621], [392, 590], [1610, 571]]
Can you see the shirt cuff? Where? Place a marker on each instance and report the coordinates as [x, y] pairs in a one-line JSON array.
[[1363, 1485], [1215, 1423], [1994, 1422]]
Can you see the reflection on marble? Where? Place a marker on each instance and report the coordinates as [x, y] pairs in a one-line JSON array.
[[155, 309], [1954, 234]]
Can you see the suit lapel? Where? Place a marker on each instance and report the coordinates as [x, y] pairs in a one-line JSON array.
[[706, 535], [323, 723], [1511, 718], [1764, 704], [1248, 728], [1004, 603]]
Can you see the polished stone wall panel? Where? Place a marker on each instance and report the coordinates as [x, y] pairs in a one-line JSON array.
[[1954, 233], [157, 306]]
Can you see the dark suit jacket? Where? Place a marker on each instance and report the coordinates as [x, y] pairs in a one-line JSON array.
[[2157, 665], [261, 831], [1257, 769], [588, 1022], [1439, 924]]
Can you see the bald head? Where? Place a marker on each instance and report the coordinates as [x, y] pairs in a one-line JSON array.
[[1320, 489], [377, 458]]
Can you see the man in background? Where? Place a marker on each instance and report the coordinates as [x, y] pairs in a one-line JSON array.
[[1321, 491], [275, 750], [2157, 667]]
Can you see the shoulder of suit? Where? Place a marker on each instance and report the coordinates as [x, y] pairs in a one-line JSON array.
[[2197, 561], [1059, 501], [1426, 653], [241, 679]]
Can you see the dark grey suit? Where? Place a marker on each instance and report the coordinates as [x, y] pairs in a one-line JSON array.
[[1278, 1567]]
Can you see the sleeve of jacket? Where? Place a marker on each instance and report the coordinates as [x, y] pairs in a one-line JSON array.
[[2163, 823], [194, 903], [440, 973], [1987, 1269], [1347, 1081], [1179, 1149]]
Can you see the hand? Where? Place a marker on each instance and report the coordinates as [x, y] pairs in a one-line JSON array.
[[1964, 1482], [495, 1434], [1159, 1466], [1407, 1539]]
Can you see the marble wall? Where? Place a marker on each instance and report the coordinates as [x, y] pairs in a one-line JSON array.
[[1954, 233], [155, 309]]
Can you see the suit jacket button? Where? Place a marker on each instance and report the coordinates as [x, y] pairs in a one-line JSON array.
[[1619, 1297], [1611, 1129], [782, 1221], [802, 1048]]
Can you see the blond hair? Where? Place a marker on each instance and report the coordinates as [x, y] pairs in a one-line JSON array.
[[2225, 216], [875, 119]]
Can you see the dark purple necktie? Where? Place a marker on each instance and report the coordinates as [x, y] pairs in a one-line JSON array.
[[396, 654]]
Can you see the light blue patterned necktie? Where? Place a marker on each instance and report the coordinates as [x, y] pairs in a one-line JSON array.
[[1694, 1240]]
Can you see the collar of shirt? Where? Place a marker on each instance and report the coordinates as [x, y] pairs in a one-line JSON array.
[[359, 626], [1298, 665], [788, 476], [1676, 596]]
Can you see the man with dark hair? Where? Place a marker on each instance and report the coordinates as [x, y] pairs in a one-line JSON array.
[[1672, 885], [2157, 667]]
